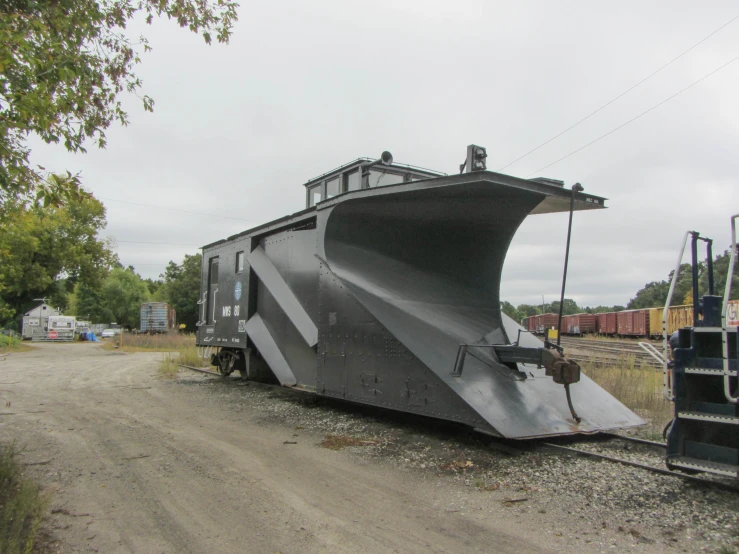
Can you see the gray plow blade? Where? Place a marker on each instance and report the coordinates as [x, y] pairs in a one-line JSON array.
[[426, 264]]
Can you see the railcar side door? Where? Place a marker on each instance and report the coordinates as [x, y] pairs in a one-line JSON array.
[[210, 309]]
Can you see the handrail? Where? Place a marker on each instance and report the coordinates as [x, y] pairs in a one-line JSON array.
[[666, 373], [650, 349], [724, 310]]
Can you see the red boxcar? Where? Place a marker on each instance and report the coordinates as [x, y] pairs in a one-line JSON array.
[[579, 324], [546, 321], [633, 323], [605, 324]]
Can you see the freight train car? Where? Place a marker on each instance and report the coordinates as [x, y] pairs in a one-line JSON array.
[[677, 318], [642, 323], [578, 324], [605, 324], [157, 317], [632, 323], [382, 295], [538, 324]]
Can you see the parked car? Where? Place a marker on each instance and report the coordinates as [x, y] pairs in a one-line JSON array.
[[108, 333]]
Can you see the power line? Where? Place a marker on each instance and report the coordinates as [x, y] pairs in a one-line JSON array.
[[636, 117], [620, 95], [217, 216]]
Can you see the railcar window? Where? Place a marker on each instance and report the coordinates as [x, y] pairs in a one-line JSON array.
[[332, 187], [351, 181], [239, 262], [315, 195], [214, 271], [380, 178]]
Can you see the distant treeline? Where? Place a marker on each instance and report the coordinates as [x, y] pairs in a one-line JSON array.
[[56, 253]]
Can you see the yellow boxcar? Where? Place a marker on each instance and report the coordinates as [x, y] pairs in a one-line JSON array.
[[682, 316], [677, 318], [655, 322]]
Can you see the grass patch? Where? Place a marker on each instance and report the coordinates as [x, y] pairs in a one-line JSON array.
[[22, 506], [169, 366], [637, 386], [12, 344], [183, 352], [168, 342]]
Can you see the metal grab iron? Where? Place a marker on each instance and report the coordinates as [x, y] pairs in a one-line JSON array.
[[560, 369]]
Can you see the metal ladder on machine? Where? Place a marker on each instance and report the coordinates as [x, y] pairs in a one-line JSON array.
[[702, 379]]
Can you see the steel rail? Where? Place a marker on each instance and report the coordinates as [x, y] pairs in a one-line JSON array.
[[716, 484], [635, 439], [659, 470], [201, 370]]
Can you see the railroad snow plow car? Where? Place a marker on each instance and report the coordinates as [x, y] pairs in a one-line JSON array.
[[385, 291]]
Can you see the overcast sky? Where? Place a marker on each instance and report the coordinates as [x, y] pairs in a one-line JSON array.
[[307, 86]]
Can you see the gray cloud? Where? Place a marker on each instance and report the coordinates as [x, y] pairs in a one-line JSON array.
[[305, 87]]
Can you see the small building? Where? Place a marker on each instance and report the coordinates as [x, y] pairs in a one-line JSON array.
[[36, 321]]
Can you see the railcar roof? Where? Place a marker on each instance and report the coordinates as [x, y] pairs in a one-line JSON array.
[[556, 195]]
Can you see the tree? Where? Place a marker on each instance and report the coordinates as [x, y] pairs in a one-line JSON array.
[[527, 310], [47, 250], [511, 311], [603, 309], [63, 66], [182, 286], [570, 307], [91, 305], [654, 294], [157, 291], [720, 269], [123, 293]]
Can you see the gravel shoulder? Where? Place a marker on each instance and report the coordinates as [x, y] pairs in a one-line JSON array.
[[137, 463]]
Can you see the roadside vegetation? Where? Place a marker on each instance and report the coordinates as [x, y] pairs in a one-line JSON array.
[[22, 505], [12, 344], [179, 349], [188, 355], [637, 386]]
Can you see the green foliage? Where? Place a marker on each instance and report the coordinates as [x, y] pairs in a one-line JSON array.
[[22, 506], [720, 270], [510, 310], [45, 251], [182, 287], [604, 309], [90, 304], [654, 294], [63, 66], [527, 310], [123, 293], [157, 290], [570, 307], [9, 342]]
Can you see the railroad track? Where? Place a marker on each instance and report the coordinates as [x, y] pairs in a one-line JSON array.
[[659, 448], [609, 350]]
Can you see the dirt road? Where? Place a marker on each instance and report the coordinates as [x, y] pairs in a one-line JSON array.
[[138, 463]]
